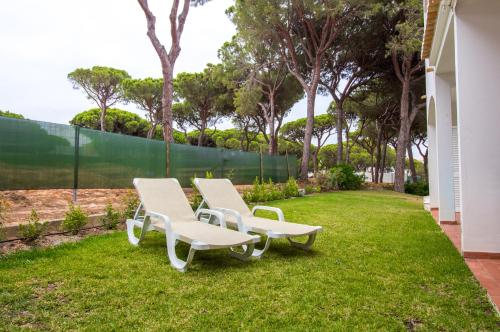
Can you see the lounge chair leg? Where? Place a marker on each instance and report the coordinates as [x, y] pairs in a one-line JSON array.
[[245, 255], [175, 261], [305, 246], [130, 230], [257, 253]]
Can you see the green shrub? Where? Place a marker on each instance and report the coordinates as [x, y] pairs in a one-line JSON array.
[[336, 177], [75, 219], [312, 189], [345, 177], [323, 181], [12, 115], [263, 192], [111, 219], [419, 188], [254, 194], [130, 204], [34, 229], [291, 188], [340, 177], [272, 192]]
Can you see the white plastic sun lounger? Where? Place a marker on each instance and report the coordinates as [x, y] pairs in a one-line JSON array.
[[221, 195], [166, 209]]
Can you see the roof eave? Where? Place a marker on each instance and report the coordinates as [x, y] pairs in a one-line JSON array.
[[432, 12]]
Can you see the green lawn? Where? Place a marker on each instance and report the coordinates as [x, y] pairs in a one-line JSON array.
[[380, 264]]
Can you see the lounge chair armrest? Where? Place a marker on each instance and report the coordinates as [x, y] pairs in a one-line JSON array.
[[281, 216], [166, 220], [217, 214], [235, 214]]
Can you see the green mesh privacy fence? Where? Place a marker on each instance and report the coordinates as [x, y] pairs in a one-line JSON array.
[[36, 154], [41, 155]]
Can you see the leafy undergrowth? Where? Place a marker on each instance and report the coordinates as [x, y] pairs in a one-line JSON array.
[[380, 264]]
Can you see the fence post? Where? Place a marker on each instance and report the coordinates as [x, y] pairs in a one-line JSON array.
[[261, 164], [167, 158], [77, 163]]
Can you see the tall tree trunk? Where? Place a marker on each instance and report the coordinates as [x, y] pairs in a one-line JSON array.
[[272, 134], [403, 138], [306, 152], [373, 167], [167, 60], [411, 163], [378, 152], [339, 125], [382, 168], [275, 145], [103, 117], [399, 182], [202, 133], [347, 148], [316, 157], [315, 161], [166, 105], [244, 139], [151, 130], [247, 142], [272, 143]]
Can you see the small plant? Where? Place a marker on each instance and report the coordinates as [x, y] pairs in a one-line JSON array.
[[272, 192], [254, 194], [34, 229], [336, 178], [130, 203], [312, 189], [230, 174], [291, 188], [111, 219], [75, 219], [263, 192]]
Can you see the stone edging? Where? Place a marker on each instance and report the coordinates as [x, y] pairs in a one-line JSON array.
[[54, 227]]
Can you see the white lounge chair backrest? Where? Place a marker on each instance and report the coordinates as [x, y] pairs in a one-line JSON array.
[[164, 196], [222, 193]]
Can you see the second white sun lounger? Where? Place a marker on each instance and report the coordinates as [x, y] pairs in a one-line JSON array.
[[221, 195], [167, 210]]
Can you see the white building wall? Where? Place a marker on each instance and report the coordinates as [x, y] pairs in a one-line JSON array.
[[443, 85], [477, 66], [431, 137], [456, 167]]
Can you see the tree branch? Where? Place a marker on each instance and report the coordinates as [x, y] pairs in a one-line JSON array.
[[151, 25], [395, 63]]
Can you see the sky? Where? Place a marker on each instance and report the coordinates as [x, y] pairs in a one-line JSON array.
[[42, 41]]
